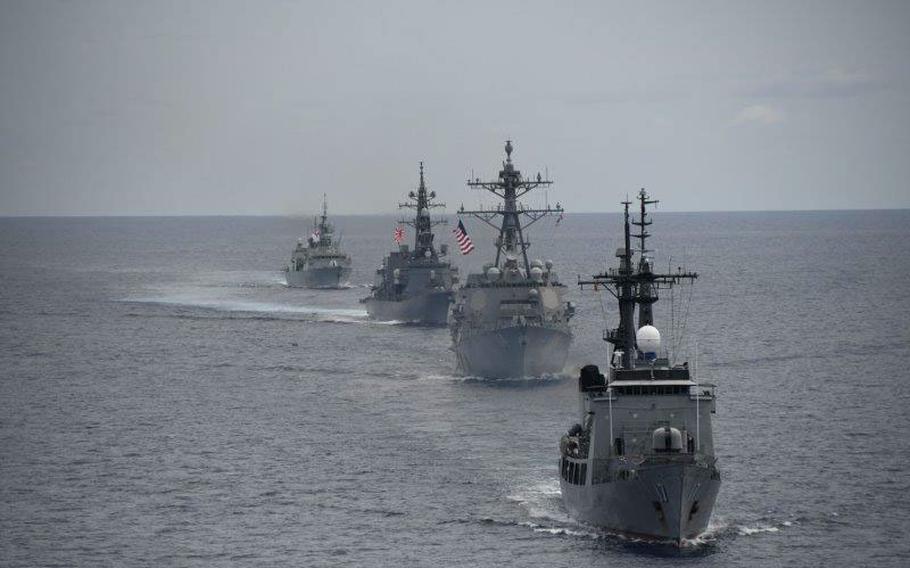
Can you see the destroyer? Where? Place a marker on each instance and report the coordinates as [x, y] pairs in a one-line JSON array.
[[319, 261], [511, 320], [415, 286], [641, 461]]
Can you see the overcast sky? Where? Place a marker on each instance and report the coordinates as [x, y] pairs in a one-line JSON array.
[[257, 107]]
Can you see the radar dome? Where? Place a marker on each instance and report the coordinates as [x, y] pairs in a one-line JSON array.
[[648, 339], [537, 273], [537, 262], [549, 264], [493, 273]]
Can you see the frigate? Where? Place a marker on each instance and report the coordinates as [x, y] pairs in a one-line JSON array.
[[641, 460], [511, 320], [415, 285], [318, 261]]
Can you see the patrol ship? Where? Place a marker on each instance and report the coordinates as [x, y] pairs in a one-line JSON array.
[[511, 320], [641, 460], [415, 285], [319, 262]]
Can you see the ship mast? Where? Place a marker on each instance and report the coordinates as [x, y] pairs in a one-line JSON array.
[[510, 186], [630, 286], [422, 201], [321, 223], [647, 293]]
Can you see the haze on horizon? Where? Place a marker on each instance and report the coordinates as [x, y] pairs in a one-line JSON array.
[[124, 107]]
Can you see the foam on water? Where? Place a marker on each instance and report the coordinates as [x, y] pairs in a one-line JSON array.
[[541, 502], [250, 306]]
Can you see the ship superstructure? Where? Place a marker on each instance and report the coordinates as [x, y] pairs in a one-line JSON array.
[[641, 459], [318, 261], [415, 285], [511, 320]]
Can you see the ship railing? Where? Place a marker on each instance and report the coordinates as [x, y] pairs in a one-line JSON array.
[[608, 470], [702, 391], [625, 468]]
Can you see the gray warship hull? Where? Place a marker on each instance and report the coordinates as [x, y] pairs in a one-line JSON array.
[[663, 502], [323, 277], [427, 309], [513, 352]]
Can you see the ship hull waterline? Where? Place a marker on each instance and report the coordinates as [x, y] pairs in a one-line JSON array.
[[662, 503], [328, 277], [513, 352], [425, 309]]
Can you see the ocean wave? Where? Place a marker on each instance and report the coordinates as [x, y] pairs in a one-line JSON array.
[[542, 506], [511, 382], [232, 305]]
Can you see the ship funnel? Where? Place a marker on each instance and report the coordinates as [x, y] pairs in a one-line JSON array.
[[648, 339]]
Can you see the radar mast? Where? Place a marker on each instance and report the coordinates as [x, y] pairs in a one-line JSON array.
[[632, 286], [509, 187], [422, 201]]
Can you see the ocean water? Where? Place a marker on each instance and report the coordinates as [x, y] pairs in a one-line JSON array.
[[166, 401]]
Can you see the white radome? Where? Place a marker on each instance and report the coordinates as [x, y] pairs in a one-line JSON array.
[[648, 339]]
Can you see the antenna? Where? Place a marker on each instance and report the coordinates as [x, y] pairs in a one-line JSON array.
[[422, 201], [510, 186], [633, 286], [697, 399]]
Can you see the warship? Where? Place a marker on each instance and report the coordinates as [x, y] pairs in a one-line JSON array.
[[641, 460], [318, 261], [511, 320], [415, 285]]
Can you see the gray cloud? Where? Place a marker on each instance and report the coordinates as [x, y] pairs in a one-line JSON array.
[[835, 82], [236, 107]]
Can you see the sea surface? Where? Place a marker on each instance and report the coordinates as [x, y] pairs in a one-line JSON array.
[[165, 399]]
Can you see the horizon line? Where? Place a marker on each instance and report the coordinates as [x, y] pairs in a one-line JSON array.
[[391, 213]]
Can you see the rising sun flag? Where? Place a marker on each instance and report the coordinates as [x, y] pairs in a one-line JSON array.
[[399, 235]]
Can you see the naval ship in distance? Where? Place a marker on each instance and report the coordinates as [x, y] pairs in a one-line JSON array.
[[318, 261]]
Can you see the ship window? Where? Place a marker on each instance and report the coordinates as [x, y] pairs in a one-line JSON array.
[[619, 446]]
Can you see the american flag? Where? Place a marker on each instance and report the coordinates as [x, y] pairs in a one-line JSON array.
[[464, 241], [399, 235]]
